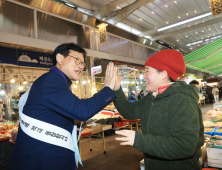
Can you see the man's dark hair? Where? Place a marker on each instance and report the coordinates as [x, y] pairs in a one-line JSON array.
[[64, 50], [194, 82]]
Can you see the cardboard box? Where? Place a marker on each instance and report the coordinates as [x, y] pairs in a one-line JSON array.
[[214, 157]]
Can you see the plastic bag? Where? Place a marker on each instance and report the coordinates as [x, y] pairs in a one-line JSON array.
[[14, 133]]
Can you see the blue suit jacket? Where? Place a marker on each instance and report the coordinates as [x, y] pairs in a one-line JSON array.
[[50, 100]]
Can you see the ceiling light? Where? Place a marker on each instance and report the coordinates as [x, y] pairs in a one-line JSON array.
[[195, 11], [141, 19], [153, 12], [144, 41], [179, 17], [187, 14], [2, 92], [24, 82], [185, 21], [209, 29], [88, 81], [118, 7], [196, 32], [198, 45], [166, 6], [12, 80], [202, 38], [175, 2], [94, 89], [194, 43], [75, 86], [186, 36], [77, 81], [203, 21], [177, 40], [202, 30], [20, 87], [70, 5], [83, 82], [147, 37], [167, 22]]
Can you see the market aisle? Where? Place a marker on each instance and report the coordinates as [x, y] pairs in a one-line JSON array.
[[205, 109], [116, 157]]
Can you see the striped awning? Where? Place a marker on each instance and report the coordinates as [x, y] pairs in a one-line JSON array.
[[207, 59]]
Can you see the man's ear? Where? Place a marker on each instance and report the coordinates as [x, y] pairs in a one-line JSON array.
[[164, 74], [59, 58]]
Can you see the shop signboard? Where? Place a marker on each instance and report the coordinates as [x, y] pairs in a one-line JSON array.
[[25, 58], [126, 72]]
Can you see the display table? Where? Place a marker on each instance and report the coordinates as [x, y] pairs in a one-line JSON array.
[[131, 122], [97, 130]]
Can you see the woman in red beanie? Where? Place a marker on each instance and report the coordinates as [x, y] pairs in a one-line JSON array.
[[172, 126]]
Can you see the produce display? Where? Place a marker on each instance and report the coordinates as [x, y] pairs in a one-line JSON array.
[[100, 116], [86, 130], [8, 130]]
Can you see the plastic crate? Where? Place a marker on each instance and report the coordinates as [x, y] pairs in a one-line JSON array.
[[217, 133], [210, 133]]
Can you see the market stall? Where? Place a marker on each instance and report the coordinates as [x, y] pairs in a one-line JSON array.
[[212, 149]]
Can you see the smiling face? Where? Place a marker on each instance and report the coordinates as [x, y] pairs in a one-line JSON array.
[[68, 64], [155, 79]]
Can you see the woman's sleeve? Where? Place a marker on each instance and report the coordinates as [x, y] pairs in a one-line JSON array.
[[127, 109]]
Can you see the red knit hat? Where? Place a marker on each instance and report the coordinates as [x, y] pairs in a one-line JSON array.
[[172, 61]]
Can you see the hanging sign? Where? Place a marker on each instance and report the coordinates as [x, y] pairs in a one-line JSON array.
[[96, 70], [216, 7], [102, 33]]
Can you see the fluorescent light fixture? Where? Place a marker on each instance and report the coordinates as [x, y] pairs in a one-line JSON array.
[[70, 5], [185, 21], [118, 7], [194, 43], [144, 41], [147, 37]]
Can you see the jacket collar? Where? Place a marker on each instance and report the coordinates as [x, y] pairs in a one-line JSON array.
[[56, 69]]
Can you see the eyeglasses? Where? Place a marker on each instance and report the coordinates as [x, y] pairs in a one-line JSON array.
[[78, 61]]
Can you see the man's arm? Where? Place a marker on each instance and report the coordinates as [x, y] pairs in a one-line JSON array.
[[58, 97]]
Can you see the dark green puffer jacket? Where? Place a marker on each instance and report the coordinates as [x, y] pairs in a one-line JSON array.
[[172, 127]]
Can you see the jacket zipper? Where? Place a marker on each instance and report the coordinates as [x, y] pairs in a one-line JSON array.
[[149, 122]]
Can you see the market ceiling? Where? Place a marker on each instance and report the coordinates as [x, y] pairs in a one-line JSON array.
[[159, 20]]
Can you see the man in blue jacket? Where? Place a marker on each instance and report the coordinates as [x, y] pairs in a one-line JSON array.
[[51, 104]]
